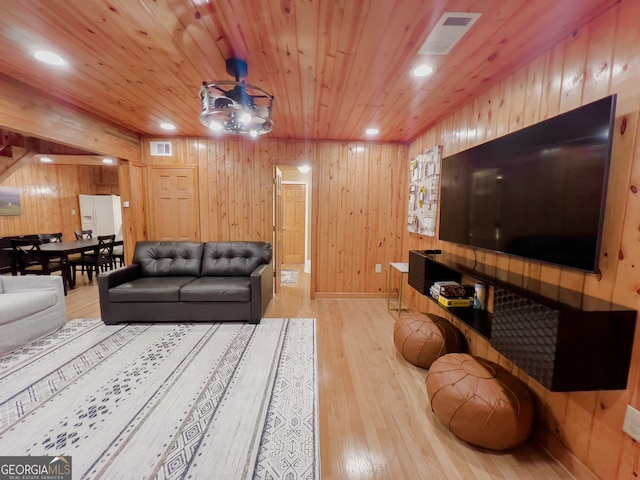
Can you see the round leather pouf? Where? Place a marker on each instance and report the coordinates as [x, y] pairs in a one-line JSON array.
[[422, 338], [480, 402]]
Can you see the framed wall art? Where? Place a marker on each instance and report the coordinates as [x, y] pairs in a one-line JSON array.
[[10, 201], [424, 182]]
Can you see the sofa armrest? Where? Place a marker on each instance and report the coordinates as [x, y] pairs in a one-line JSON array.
[[113, 278], [110, 279], [39, 283], [33, 283], [261, 290], [20, 325]]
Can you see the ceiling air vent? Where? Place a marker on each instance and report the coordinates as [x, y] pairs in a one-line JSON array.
[[448, 31], [160, 149]]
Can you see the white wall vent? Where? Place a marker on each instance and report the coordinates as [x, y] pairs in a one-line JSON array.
[[160, 149], [448, 31]]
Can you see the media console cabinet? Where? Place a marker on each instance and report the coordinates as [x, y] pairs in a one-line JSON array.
[[572, 342]]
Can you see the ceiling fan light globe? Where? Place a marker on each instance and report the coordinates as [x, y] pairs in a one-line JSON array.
[[215, 126], [245, 117]]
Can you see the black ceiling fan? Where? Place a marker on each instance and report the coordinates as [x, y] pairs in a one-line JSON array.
[[235, 106]]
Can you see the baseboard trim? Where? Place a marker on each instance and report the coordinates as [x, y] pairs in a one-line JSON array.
[[562, 454], [351, 295]]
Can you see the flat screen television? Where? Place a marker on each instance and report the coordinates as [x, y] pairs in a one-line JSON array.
[[537, 193]]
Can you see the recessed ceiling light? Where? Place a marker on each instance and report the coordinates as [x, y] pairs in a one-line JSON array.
[[304, 168], [167, 126], [422, 70], [107, 160], [45, 160], [372, 131], [49, 57]]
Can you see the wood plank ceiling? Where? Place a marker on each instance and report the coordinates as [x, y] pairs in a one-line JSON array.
[[335, 67]]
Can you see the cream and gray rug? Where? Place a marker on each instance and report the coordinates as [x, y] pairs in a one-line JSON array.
[[169, 401]]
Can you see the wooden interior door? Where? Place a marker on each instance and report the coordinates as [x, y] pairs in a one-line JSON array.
[[277, 227], [294, 216], [173, 204]]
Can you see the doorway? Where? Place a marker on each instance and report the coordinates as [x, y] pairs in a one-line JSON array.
[[294, 222], [292, 258]]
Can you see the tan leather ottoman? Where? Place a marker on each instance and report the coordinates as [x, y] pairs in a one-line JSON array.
[[480, 401], [422, 338]]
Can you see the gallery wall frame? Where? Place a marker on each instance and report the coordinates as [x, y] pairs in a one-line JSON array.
[[424, 184], [10, 204]]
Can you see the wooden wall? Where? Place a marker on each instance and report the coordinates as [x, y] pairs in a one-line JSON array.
[[49, 194], [599, 59], [361, 199], [132, 189], [358, 202], [106, 180]]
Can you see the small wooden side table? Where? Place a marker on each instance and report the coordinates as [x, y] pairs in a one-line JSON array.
[[395, 304]]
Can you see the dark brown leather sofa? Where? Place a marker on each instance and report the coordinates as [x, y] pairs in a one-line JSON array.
[[189, 281]]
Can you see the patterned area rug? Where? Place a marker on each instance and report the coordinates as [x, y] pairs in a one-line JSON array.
[[169, 401], [289, 277]]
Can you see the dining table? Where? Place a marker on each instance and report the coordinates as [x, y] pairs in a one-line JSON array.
[[63, 250]]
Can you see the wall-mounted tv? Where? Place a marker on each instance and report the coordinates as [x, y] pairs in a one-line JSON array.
[[537, 193]]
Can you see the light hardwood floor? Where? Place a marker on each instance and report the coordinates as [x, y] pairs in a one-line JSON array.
[[375, 420]]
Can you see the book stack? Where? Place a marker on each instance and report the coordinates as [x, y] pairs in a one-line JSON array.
[[435, 288], [451, 294]]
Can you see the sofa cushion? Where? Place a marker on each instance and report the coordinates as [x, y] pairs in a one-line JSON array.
[[168, 258], [19, 305], [230, 259], [149, 289], [217, 289]]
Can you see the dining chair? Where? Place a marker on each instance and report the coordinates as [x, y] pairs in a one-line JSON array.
[[50, 237], [118, 254], [83, 234], [31, 261], [80, 235], [100, 259], [5, 257], [6, 244]]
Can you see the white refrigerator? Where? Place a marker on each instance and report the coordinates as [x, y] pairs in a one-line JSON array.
[[101, 213]]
